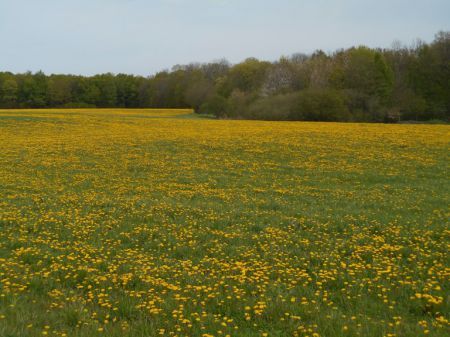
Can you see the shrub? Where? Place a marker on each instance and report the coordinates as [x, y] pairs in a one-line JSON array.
[[216, 105], [320, 105], [272, 108]]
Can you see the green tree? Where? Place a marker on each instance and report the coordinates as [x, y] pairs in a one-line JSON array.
[[8, 91], [430, 76], [320, 105], [216, 105], [32, 90], [59, 90], [108, 91], [127, 89], [247, 76], [366, 78]]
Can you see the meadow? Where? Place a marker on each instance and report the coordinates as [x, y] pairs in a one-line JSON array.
[[160, 223]]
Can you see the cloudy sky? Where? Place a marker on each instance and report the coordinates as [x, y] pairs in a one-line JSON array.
[[145, 36]]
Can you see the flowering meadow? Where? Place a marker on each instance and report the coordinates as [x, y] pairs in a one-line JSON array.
[[161, 223]]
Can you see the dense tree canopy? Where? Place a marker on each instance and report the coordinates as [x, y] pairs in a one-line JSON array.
[[356, 84]]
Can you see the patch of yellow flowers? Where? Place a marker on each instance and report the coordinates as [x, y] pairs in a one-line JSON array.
[[152, 222]]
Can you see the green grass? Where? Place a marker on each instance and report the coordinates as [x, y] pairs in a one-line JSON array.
[[161, 223]]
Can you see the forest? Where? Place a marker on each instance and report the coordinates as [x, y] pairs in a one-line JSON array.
[[401, 83]]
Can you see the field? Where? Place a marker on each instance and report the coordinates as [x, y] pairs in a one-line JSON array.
[[161, 223]]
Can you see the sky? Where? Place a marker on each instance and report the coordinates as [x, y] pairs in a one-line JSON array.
[[145, 36]]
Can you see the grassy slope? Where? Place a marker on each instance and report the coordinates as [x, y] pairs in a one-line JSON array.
[[113, 223]]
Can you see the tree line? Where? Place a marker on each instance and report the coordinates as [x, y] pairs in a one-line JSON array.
[[355, 84]]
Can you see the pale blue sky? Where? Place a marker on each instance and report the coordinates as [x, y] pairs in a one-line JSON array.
[[145, 36]]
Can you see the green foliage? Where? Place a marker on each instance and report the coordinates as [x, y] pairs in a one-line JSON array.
[[356, 84], [272, 108], [59, 90], [430, 76], [8, 90], [248, 76], [127, 91], [107, 96], [238, 103], [216, 105], [320, 105], [124, 222]]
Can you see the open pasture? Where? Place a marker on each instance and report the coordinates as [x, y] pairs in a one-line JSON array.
[[160, 223]]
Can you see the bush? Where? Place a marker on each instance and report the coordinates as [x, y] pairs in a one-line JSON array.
[[272, 108], [320, 105], [238, 104], [216, 105]]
